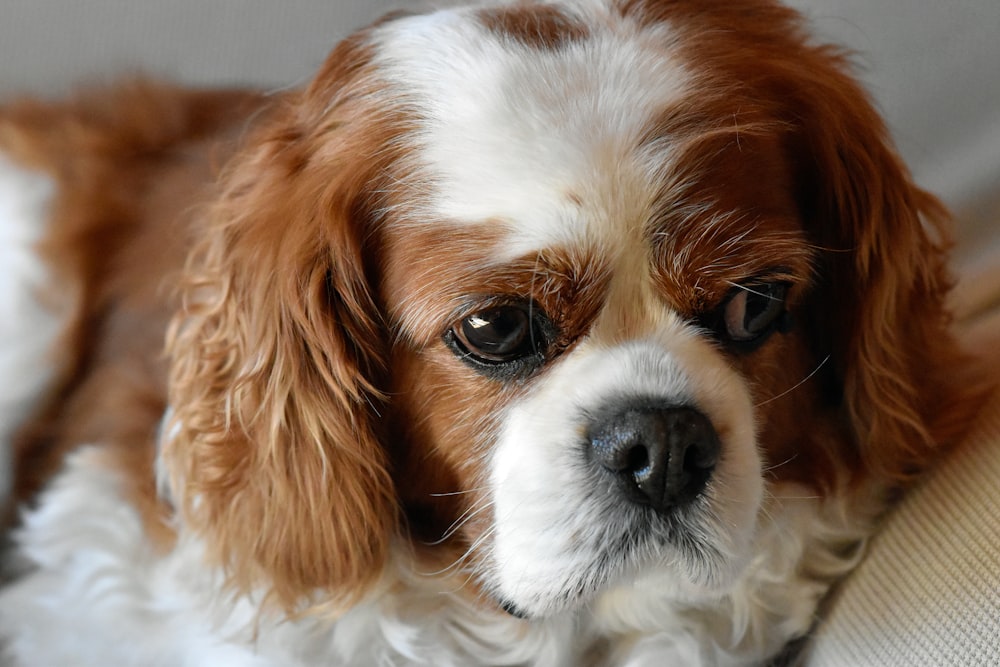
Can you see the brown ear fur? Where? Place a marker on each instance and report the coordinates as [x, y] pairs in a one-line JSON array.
[[881, 307], [880, 313], [275, 455]]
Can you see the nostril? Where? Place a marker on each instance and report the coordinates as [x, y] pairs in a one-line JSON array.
[[659, 455], [703, 453], [697, 439], [637, 459]]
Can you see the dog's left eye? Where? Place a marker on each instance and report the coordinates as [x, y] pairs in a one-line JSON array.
[[752, 311]]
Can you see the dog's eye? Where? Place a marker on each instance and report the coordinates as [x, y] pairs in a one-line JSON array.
[[498, 334], [753, 311], [503, 340]]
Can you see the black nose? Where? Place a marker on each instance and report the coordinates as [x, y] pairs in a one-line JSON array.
[[659, 455]]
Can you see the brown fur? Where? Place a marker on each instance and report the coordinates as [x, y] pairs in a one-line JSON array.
[[540, 27], [876, 242], [280, 349], [444, 413], [308, 406], [131, 165]]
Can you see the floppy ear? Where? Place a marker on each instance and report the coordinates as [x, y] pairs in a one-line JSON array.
[[881, 305], [275, 453]]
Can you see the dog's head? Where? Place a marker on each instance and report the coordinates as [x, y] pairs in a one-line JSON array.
[[564, 288]]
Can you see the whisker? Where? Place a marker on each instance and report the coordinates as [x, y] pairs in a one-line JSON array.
[[468, 552], [797, 384], [457, 493], [778, 465], [463, 519], [752, 291]]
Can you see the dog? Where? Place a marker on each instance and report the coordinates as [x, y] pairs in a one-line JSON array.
[[585, 332]]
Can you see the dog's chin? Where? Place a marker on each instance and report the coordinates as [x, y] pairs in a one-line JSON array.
[[685, 565], [665, 584]]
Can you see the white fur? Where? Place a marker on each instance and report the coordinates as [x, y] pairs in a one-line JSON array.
[[100, 595], [801, 547], [547, 145], [28, 324], [510, 132]]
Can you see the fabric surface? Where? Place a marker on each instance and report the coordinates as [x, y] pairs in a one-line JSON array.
[[928, 593]]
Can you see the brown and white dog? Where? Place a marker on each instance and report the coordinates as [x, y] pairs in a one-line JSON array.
[[585, 332]]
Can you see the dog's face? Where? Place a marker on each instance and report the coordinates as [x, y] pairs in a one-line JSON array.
[[614, 255], [558, 293]]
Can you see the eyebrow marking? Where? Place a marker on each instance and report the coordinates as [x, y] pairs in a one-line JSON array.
[[545, 28]]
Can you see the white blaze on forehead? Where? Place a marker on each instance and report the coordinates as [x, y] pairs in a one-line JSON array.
[[508, 130]]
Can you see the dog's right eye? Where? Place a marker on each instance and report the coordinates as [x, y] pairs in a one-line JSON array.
[[500, 334], [506, 338]]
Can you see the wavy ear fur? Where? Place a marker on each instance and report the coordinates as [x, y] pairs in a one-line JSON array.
[[276, 457], [881, 306], [879, 312]]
